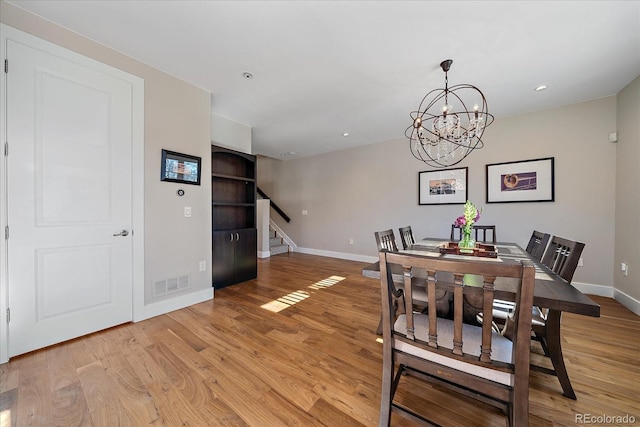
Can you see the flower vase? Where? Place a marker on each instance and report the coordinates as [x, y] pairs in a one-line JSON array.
[[466, 244]]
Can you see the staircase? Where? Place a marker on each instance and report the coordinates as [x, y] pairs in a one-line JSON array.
[[276, 244]]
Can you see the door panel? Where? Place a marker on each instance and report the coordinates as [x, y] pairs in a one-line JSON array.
[[60, 291], [69, 192], [222, 267], [86, 196], [246, 260]]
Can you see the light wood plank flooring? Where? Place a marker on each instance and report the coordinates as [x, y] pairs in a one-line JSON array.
[[294, 347]]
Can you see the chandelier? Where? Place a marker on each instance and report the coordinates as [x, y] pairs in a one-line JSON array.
[[444, 131]]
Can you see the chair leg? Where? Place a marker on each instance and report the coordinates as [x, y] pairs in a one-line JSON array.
[[543, 343], [518, 409], [518, 414], [387, 395], [379, 330]]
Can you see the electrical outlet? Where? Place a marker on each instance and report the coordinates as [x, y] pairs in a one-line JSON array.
[[187, 211], [305, 212], [625, 268], [351, 241], [203, 266]]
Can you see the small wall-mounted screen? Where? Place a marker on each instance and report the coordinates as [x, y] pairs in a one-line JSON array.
[[178, 167]]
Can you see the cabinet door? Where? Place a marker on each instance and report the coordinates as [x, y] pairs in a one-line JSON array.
[[246, 254], [223, 265]]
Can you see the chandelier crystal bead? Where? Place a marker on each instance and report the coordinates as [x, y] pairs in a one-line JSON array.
[[443, 130]]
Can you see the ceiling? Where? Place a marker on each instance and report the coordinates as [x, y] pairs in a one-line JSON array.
[[323, 68]]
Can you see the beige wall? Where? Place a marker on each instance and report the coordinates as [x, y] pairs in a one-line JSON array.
[[177, 117], [354, 192], [627, 247], [230, 134]]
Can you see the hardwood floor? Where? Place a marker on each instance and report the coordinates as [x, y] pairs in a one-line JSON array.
[[311, 357]]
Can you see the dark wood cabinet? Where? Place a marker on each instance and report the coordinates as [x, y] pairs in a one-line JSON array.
[[234, 256], [233, 207]]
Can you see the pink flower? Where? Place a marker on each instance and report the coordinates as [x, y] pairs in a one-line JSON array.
[[460, 221]]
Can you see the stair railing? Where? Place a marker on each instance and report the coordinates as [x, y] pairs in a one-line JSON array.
[[273, 205]]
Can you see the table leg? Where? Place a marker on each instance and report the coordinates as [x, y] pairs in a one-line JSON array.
[[555, 352]]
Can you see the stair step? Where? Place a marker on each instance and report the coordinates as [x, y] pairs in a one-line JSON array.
[[276, 244], [275, 241], [280, 249]]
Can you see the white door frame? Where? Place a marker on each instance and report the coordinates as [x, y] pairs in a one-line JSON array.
[[137, 173]]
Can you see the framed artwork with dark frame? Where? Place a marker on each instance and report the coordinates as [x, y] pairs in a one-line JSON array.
[[178, 167], [443, 187], [521, 181]]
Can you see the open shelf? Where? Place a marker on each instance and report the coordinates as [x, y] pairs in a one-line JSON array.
[[228, 217], [225, 190], [233, 164]]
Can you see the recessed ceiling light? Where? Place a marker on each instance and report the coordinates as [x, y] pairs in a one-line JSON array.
[[247, 75], [540, 88], [345, 134]]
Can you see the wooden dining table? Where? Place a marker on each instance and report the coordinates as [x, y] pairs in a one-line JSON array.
[[551, 292]]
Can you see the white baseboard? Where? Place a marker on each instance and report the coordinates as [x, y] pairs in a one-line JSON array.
[[633, 304], [591, 289], [264, 254], [332, 254], [182, 301], [628, 301]]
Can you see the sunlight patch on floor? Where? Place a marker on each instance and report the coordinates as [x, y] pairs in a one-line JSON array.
[[285, 301], [5, 418], [293, 298], [325, 283]]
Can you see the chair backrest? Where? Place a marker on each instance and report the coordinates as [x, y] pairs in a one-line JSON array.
[[480, 232], [406, 236], [386, 240], [470, 357], [562, 257], [537, 244]]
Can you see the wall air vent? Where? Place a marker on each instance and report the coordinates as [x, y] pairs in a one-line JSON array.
[[173, 284]]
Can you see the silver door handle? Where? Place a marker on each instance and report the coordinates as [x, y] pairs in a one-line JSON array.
[[237, 237], [123, 233]]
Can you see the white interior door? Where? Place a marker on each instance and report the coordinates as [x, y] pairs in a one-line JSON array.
[[69, 198]]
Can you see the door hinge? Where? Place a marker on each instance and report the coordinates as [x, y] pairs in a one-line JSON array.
[[6, 65], [8, 315], [6, 233], [6, 149]]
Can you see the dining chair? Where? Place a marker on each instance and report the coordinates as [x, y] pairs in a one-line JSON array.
[[480, 233], [386, 240], [562, 257], [473, 360], [406, 236], [537, 244]]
